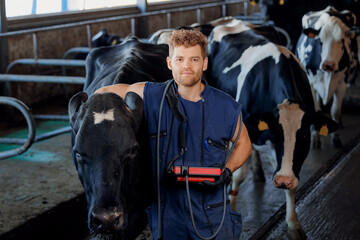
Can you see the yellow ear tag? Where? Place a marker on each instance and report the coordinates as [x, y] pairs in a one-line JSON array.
[[253, 3], [281, 2], [262, 126], [352, 35], [324, 130], [113, 42]]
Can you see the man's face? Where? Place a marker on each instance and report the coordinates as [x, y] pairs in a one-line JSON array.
[[187, 65]]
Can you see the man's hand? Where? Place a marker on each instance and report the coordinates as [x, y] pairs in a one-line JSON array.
[[224, 178]]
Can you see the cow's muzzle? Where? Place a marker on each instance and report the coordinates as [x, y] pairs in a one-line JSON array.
[[328, 66], [285, 182], [107, 220]]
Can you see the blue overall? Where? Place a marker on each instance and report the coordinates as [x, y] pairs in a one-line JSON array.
[[210, 123]]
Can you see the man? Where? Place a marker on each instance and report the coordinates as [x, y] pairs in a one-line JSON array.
[[211, 118]]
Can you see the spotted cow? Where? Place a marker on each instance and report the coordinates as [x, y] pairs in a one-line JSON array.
[[162, 36], [109, 139], [278, 108], [287, 14], [329, 51], [272, 33]]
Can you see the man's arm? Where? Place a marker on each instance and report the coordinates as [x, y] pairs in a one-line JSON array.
[[122, 89], [242, 149]]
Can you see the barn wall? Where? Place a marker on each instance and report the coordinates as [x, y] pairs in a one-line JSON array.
[[53, 44]]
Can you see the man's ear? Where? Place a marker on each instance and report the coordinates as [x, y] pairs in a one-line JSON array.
[[168, 60], [206, 60]]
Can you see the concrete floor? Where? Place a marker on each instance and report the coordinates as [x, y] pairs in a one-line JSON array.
[[257, 202], [332, 211], [44, 176], [36, 181]]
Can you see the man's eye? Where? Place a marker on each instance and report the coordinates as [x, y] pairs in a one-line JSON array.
[[195, 60]]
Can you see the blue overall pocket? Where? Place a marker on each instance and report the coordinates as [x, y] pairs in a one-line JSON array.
[[215, 152]]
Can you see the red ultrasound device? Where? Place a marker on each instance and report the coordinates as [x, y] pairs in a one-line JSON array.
[[196, 174]]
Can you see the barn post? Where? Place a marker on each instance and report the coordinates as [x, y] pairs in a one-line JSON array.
[[4, 50], [142, 26]]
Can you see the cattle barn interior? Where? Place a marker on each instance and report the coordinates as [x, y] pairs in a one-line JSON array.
[[42, 65]]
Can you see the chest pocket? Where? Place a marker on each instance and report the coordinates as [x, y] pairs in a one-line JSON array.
[[214, 152]]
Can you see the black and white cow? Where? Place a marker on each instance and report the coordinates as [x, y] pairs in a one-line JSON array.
[[272, 33], [278, 107], [329, 50], [287, 14], [162, 36], [109, 140]]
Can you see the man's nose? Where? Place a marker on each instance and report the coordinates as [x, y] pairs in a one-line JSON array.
[[187, 64]]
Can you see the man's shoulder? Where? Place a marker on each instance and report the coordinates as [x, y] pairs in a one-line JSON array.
[[154, 90], [220, 94], [155, 85]]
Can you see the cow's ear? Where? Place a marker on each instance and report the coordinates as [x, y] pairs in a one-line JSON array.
[[73, 108], [311, 32], [136, 104], [261, 121], [324, 124], [353, 32]]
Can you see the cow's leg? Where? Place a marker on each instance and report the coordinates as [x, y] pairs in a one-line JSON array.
[[336, 112], [237, 178], [295, 230], [315, 136], [256, 167]]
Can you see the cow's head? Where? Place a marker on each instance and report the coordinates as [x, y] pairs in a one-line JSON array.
[[326, 49], [107, 156], [333, 35], [289, 129]]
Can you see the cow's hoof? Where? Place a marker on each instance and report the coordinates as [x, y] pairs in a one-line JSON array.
[[336, 143], [296, 234]]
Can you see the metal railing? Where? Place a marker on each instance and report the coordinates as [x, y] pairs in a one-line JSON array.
[[30, 120]]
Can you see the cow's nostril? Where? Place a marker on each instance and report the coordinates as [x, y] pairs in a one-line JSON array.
[[119, 222], [96, 221], [328, 66]]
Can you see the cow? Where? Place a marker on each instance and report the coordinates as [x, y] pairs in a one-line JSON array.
[[162, 36], [287, 14], [277, 104], [102, 38], [329, 51], [110, 145], [274, 34]]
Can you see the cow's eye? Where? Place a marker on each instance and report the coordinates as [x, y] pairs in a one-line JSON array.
[[79, 158]]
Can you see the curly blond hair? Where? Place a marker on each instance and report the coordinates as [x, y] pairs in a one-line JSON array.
[[187, 38]]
